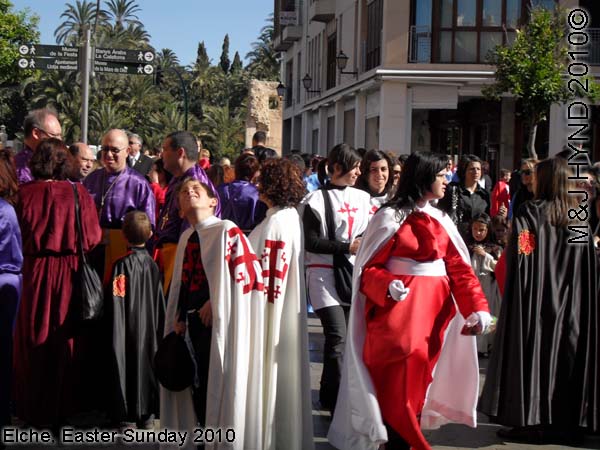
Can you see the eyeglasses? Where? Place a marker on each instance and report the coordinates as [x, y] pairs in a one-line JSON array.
[[134, 143], [113, 150], [52, 135], [527, 172]]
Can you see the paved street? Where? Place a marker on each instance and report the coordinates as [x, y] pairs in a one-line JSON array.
[[451, 437]]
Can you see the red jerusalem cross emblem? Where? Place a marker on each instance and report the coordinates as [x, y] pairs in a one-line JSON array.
[[275, 268], [240, 259], [350, 212]]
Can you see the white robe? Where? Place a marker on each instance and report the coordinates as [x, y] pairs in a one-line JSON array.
[[451, 396], [236, 360], [287, 399]]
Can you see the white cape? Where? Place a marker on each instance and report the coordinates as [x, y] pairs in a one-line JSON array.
[[452, 395], [236, 359], [287, 402]]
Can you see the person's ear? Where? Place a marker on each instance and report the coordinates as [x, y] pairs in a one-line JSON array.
[[213, 203]]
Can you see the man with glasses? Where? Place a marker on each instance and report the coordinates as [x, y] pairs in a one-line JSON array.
[[136, 159], [39, 124], [117, 189]]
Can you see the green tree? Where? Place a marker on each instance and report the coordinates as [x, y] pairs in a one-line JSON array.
[[236, 65], [533, 69], [222, 132], [263, 59], [224, 61], [202, 59], [15, 28], [77, 16], [123, 13]]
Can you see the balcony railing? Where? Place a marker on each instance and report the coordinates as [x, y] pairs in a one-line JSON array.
[[420, 44]]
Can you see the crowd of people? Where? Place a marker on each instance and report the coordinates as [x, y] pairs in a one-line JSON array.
[[406, 261]]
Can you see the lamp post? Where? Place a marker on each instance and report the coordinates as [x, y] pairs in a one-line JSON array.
[[281, 90], [342, 60]]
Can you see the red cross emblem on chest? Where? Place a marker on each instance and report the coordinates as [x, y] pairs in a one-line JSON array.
[[275, 268], [239, 254], [350, 211]]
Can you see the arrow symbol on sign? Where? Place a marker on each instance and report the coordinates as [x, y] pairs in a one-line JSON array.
[[23, 63], [23, 49]]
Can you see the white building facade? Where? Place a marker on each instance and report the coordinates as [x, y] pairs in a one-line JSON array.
[[413, 75]]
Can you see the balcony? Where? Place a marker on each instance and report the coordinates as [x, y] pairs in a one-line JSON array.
[[287, 37], [322, 11], [420, 44]]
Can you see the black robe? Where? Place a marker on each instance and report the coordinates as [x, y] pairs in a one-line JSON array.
[[137, 313], [544, 367]]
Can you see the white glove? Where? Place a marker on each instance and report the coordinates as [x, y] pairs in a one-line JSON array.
[[397, 290], [482, 317]]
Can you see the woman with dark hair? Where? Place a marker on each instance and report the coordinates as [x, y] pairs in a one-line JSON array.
[[349, 210], [278, 242], [407, 365], [466, 198], [525, 191], [542, 377], [375, 177], [11, 262], [240, 198], [44, 343]]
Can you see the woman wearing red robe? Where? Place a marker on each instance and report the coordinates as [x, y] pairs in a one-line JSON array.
[[44, 343], [410, 303]]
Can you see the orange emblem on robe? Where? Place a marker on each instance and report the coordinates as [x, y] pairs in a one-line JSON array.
[[526, 242], [119, 286]]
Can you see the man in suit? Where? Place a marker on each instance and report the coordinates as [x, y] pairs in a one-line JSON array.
[[136, 159]]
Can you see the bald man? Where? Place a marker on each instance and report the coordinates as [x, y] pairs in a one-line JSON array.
[[117, 189], [84, 160], [38, 125]]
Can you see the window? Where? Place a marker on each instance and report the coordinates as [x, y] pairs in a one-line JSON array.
[[331, 63], [289, 74], [465, 31], [374, 29]]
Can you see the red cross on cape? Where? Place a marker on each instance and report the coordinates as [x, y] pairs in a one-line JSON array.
[[241, 255], [350, 211], [276, 270]]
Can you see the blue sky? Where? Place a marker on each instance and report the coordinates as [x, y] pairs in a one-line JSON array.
[[178, 24]]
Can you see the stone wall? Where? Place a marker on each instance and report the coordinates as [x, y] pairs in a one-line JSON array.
[[265, 112]]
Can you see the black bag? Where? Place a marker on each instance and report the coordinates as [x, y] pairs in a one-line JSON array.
[[88, 296], [342, 268]]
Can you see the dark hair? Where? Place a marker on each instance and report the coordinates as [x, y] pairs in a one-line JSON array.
[[264, 153], [137, 227], [365, 166], [345, 156], [160, 168], [260, 137], [74, 149], [418, 174], [464, 162], [216, 174], [281, 182], [51, 160], [552, 186], [504, 172], [36, 118], [482, 218], [185, 140], [8, 177], [246, 166], [322, 174]]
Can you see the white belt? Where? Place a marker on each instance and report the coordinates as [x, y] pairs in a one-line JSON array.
[[406, 266]]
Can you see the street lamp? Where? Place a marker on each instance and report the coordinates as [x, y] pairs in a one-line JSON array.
[[342, 60], [281, 90], [307, 83]]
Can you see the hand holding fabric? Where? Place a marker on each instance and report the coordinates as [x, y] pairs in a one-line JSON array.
[[397, 290]]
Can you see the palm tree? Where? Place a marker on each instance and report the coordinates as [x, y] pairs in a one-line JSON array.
[[123, 13], [264, 60], [106, 117], [167, 58], [222, 131], [77, 16], [170, 119]]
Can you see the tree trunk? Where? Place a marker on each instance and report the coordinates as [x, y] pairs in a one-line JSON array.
[[531, 140]]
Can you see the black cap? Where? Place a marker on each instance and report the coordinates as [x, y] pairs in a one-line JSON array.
[[173, 363]]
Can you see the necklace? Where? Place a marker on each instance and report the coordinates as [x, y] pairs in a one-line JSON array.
[[103, 198]]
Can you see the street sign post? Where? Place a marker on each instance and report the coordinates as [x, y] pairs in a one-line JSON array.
[[123, 68], [53, 51], [49, 63], [124, 55]]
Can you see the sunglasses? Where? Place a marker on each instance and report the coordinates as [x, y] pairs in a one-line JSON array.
[[527, 172], [113, 150], [52, 135]]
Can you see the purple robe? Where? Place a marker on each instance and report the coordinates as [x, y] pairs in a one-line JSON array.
[[130, 192], [11, 262], [22, 163], [169, 225], [241, 204]]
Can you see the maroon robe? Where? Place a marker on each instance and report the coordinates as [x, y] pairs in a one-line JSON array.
[[44, 344]]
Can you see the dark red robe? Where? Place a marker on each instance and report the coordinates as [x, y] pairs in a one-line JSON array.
[[404, 339], [44, 356]]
